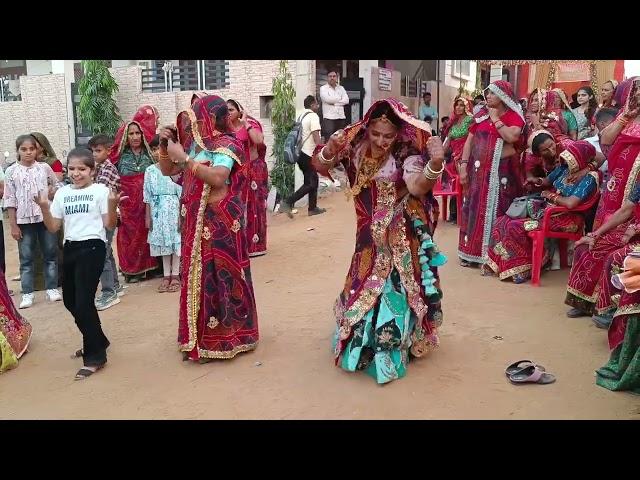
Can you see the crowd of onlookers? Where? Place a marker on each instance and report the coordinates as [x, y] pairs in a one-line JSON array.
[[517, 158]]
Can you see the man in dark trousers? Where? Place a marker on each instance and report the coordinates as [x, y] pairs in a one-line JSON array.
[[310, 138]]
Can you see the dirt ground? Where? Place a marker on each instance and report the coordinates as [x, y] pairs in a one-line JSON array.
[[487, 325]]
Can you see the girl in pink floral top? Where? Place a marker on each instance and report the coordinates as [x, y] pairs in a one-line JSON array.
[[24, 181]]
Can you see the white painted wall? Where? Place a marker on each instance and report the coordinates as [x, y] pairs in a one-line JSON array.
[[123, 63], [446, 73], [496, 73], [39, 67], [365, 74], [66, 67]]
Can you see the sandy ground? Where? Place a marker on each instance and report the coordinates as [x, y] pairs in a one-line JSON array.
[[291, 375]]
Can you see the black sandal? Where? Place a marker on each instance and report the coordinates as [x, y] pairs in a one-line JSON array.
[[85, 372]]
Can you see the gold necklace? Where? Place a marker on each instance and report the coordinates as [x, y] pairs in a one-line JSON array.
[[369, 166]]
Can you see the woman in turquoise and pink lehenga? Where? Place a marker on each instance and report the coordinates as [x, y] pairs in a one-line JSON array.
[[389, 309]]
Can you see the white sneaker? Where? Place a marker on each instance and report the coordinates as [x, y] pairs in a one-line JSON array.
[[27, 300], [53, 295]]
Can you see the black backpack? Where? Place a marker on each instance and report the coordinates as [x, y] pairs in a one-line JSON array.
[[293, 142]]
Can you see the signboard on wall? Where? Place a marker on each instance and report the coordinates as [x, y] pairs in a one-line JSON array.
[[384, 79], [573, 72]]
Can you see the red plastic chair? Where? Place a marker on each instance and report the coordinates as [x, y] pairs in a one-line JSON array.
[[456, 191], [538, 236]]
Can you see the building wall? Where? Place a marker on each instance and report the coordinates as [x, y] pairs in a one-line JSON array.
[[248, 81], [39, 67], [46, 104], [43, 109]]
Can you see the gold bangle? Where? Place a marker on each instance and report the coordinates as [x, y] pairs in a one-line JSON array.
[[435, 172], [431, 174], [323, 160], [195, 167]]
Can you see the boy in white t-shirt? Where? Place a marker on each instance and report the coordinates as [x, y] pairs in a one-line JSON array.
[[310, 138], [86, 209]]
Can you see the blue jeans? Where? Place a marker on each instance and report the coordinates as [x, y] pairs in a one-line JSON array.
[[109, 277], [33, 233]]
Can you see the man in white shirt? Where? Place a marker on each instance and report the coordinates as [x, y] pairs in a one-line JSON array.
[[334, 98], [310, 138]]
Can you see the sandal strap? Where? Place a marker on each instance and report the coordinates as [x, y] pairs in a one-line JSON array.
[[535, 375]]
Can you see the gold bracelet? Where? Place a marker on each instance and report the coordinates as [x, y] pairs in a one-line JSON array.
[[195, 168], [324, 160], [430, 173]]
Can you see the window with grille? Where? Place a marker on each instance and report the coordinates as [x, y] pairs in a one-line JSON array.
[[185, 75]]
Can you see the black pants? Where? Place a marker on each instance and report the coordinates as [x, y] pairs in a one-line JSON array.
[[82, 265], [453, 209], [310, 185], [332, 126], [3, 264], [589, 218]]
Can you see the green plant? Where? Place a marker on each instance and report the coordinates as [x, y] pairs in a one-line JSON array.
[[283, 113], [97, 109]]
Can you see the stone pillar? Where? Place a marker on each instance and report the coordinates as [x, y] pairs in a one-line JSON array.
[[66, 67], [365, 73]]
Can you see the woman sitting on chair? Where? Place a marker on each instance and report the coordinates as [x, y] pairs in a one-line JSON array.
[[510, 249]]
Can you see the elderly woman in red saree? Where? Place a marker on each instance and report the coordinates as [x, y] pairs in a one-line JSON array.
[[147, 118], [249, 131], [511, 248], [489, 170], [622, 371], [218, 317], [585, 288], [15, 331], [389, 308], [133, 156]]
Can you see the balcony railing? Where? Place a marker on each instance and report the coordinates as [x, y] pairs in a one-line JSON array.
[[191, 75]]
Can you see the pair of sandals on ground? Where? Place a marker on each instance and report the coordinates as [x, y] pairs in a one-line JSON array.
[[527, 371]]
